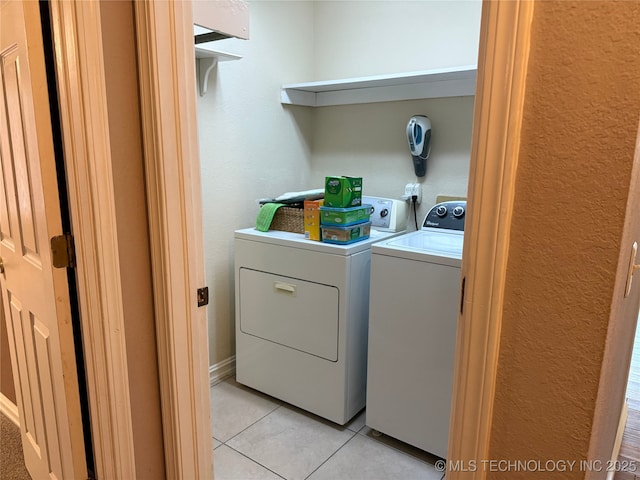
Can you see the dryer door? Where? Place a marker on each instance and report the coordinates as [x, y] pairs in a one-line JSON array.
[[291, 312]]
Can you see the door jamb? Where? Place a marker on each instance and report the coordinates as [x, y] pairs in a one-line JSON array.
[[502, 67], [167, 73], [85, 129], [166, 58]]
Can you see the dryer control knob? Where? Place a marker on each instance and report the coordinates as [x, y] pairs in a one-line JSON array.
[[384, 212], [458, 211], [441, 211]]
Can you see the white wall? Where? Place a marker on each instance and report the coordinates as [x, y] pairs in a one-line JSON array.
[[360, 38], [253, 147], [250, 146], [370, 141]]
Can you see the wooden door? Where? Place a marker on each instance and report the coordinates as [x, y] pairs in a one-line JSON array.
[[35, 296]]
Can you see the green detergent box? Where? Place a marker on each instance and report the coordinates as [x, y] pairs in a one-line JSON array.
[[342, 192]]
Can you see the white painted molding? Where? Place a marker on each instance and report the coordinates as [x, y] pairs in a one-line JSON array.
[[437, 83], [222, 370], [172, 168], [502, 68], [9, 409], [83, 110]]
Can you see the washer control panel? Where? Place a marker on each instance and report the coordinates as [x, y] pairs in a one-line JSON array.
[[449, 215], [387, 215]]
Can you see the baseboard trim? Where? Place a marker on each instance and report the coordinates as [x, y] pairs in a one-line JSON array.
[[9, 409], [222, 370]]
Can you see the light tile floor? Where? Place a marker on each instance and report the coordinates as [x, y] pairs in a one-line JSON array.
[[259, 437]]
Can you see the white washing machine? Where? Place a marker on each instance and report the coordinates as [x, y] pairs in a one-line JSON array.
[[414, 295], [302, 310]]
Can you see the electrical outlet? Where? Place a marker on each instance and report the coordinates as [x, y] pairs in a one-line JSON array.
[[417, 191], [408, 191], [411, 189]]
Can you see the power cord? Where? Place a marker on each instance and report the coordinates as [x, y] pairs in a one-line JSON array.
[[414, 200]]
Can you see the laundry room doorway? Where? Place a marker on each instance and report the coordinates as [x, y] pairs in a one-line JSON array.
[[253, 145], [483, 195]]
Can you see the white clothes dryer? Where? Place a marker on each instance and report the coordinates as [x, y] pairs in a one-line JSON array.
[[302, 309], [414, 294]]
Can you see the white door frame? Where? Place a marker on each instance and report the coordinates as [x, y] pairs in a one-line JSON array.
[[166, 59], [83, 110], [167, 73], [502, 66], [76, 30]]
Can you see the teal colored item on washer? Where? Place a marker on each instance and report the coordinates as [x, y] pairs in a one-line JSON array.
[[265, 215], [345, 216]]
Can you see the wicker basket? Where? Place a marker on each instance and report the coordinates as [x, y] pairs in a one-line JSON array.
[[288, 219]]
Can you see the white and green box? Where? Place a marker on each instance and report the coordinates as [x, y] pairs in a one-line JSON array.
[[345, 216], [342, 192], [345, 235]]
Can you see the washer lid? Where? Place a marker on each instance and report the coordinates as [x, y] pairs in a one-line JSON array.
[[442, 243]]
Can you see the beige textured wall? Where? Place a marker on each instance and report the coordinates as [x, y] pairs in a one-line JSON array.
[[133, 236], [579, 130]]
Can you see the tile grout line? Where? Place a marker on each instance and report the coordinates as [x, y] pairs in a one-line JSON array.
[[243, 430], [353, 433], [332, 455], [255, 461], [249, 426]]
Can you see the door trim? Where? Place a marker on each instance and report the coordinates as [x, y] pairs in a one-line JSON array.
[[502, 67], [169, 122], [172, 169], [77, 31]]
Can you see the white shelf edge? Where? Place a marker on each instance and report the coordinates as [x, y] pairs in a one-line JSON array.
[[207, 59], [437, 83], [204, 51]]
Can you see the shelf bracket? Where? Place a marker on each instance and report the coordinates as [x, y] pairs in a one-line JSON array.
[[205, 65]]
